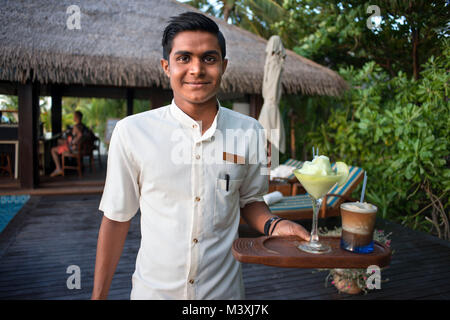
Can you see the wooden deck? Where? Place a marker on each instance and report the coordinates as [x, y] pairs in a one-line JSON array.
[[53, 232]]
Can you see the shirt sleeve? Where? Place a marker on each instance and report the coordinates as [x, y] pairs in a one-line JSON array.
[[256, 182], [120, 199]]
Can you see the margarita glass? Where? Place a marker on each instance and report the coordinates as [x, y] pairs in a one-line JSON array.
[[318, 178]]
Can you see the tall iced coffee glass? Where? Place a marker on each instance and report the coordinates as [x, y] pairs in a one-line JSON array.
[[358, 223]]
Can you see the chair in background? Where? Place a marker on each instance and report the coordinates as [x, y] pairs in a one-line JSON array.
[[293, 163], [85, 149], [287, 186], [300, 207], [5, 163]]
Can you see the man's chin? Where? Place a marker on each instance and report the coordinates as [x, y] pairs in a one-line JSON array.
[[201, 99]]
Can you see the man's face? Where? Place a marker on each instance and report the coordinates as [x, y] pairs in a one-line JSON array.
[[195, 67]]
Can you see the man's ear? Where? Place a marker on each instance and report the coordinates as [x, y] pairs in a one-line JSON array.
[[166, 67], [224, 65]]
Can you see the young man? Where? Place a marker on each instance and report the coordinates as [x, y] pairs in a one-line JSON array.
[[190, 207]]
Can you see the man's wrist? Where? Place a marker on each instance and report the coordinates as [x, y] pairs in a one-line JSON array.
[[275, 224], [268, 224]]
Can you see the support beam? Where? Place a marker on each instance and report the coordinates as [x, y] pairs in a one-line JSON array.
[[56, 110], [159, 97], [28, 135], [256, 103], [130, 99]]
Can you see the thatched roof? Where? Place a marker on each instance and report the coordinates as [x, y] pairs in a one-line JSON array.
[[119, 44]]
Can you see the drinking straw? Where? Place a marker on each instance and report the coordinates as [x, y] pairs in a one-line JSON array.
[[315, 152], [363, 187]]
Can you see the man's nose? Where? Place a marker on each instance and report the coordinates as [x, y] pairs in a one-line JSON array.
[[196, 67]]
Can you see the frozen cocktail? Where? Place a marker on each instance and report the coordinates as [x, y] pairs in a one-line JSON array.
[[358, 223], [318, 178]]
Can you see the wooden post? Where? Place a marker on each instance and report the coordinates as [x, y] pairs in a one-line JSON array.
[[28, 135], [56, 110], [159, 98], [130, 98], [293, 119], [256, 103]]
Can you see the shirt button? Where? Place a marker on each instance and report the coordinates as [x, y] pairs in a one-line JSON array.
[[194, 126], [195, 240], [198, 144], [197, 199], [197, 157], [191, 281]]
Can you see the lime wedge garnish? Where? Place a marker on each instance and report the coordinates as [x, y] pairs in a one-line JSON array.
[[342, 171]]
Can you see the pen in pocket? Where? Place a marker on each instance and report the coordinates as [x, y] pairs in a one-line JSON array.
[[227, 178]]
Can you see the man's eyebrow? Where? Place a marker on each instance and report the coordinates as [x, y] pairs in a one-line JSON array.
[[182, 52], [211, 52]]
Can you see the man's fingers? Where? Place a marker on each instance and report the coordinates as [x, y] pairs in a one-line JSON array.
[[303, 233], [290, 228]]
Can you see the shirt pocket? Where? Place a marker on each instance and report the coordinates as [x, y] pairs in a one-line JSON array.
[[226, 204]]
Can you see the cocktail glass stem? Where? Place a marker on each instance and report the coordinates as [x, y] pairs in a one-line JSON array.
[[313, 245], [316, 203]]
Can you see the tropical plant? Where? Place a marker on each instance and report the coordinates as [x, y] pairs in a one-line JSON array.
[[352, 280], [8, 102], [397, 129], [97, 111], [398, 35], [256, 16]]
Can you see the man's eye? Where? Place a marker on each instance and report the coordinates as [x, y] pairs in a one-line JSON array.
[[183, 59], [210, 59]]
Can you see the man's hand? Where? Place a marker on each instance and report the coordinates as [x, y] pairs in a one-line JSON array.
[[290, 228], [257, 213]]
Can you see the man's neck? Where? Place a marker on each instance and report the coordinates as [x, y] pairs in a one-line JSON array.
[[203, 112]]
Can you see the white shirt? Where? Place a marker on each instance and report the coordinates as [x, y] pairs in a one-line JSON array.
[[160, 162]]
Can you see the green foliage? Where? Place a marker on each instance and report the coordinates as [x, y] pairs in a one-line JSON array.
[[96, 111], [8, 102], [336, 33], [257, 16], [306, 113], [397, 129], [351, 277]]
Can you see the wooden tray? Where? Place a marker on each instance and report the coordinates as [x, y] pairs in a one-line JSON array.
[[283, 252]]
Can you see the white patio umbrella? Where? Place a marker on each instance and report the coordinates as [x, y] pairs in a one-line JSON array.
[[270, 117]]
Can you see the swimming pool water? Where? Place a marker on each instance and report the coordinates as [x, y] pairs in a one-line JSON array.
[[9, 206]]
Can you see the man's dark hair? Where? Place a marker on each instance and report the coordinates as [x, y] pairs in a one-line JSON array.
[[79, 114], [190, 21]]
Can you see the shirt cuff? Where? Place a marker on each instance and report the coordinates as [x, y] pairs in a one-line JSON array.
[[116, 216], [243, 203]]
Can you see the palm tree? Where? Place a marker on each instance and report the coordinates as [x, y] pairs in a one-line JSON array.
[[256, 16]]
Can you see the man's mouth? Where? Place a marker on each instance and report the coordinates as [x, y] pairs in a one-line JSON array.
[[196, 84]]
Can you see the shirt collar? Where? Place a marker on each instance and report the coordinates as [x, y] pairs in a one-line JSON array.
[[193, 125]]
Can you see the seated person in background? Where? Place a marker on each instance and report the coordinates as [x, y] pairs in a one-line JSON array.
[[69, 144]]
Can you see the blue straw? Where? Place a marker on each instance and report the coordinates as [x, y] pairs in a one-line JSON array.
[[313, 153], [363, 187]]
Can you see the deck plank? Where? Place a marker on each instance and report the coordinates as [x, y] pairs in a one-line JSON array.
[[52, 232]]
